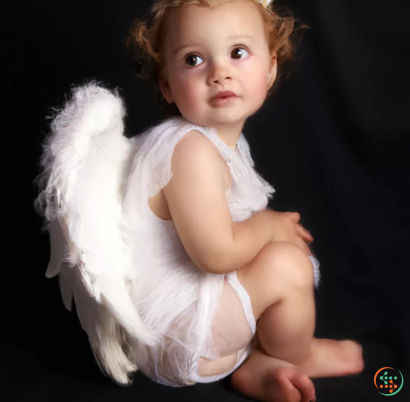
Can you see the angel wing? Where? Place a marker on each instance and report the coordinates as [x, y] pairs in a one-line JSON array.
[[86, 163]]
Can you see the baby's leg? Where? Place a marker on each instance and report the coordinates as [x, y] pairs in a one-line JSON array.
[[279, 282], [265, 378]]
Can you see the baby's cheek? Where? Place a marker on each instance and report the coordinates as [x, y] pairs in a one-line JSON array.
[[260, 85], [190, 100], [257, 90]]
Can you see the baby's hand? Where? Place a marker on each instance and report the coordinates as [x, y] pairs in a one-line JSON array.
[[287, 228]]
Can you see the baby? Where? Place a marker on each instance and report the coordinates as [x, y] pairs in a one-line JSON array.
[[219, 62], [191, 277]]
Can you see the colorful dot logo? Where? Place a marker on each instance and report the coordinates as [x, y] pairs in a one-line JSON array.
[[388, 381]]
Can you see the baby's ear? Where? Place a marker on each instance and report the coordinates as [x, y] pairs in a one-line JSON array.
[[273, 70], [164, 87]]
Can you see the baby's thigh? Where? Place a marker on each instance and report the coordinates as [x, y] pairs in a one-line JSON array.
[[278, 268], [231, 333]]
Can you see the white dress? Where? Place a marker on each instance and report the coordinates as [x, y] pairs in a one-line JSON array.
[[173, 301]]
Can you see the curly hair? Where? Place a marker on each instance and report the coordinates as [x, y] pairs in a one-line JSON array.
[[146, 39]]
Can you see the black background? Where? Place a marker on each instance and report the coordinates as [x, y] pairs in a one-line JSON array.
[[334, 143]]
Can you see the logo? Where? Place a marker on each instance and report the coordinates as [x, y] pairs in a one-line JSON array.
[[388, 381]]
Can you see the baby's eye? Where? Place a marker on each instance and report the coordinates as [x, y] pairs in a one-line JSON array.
[[239, 51], [192, 58]]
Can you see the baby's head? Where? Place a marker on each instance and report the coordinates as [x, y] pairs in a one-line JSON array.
[[194, 49]]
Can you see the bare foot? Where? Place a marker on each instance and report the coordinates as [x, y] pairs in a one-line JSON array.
[[330, 358], [265, 378]]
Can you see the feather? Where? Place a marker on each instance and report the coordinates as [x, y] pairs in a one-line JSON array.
[[58, 247], [86, 161]]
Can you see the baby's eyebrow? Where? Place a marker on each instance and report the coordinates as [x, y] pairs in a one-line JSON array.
[[230, 37], [241, 36], [182, 47]]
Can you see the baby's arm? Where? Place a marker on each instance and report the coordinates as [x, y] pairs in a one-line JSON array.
[[196, 200]]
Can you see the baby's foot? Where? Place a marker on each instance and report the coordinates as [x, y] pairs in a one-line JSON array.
[[330, 358], [265, 378]]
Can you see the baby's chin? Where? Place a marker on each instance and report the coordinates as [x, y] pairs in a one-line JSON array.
[[215, 120]]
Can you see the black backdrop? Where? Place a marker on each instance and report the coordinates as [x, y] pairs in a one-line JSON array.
[[333, 142]]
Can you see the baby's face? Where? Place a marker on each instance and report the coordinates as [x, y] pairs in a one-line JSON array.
[[208, 50]]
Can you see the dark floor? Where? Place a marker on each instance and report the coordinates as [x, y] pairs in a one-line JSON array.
[[58, 364], [29, 376]]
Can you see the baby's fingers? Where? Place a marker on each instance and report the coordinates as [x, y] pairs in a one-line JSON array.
[[294, 216], [304, 233]]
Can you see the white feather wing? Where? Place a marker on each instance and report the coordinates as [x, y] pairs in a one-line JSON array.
[[86, 164]]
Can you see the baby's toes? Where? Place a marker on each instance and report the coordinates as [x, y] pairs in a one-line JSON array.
[[284, 389], [305, 385]]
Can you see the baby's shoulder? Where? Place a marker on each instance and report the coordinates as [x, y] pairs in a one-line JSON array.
[[196, 153], [195, 144]]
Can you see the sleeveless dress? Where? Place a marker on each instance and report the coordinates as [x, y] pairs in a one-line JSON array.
[[173, 295]]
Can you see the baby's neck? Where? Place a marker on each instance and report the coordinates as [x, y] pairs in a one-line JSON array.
[[230, 134]]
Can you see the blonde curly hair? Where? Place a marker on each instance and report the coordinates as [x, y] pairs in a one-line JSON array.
[[146, 37]]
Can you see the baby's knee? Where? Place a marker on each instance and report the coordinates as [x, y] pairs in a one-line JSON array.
[[289, 264]]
